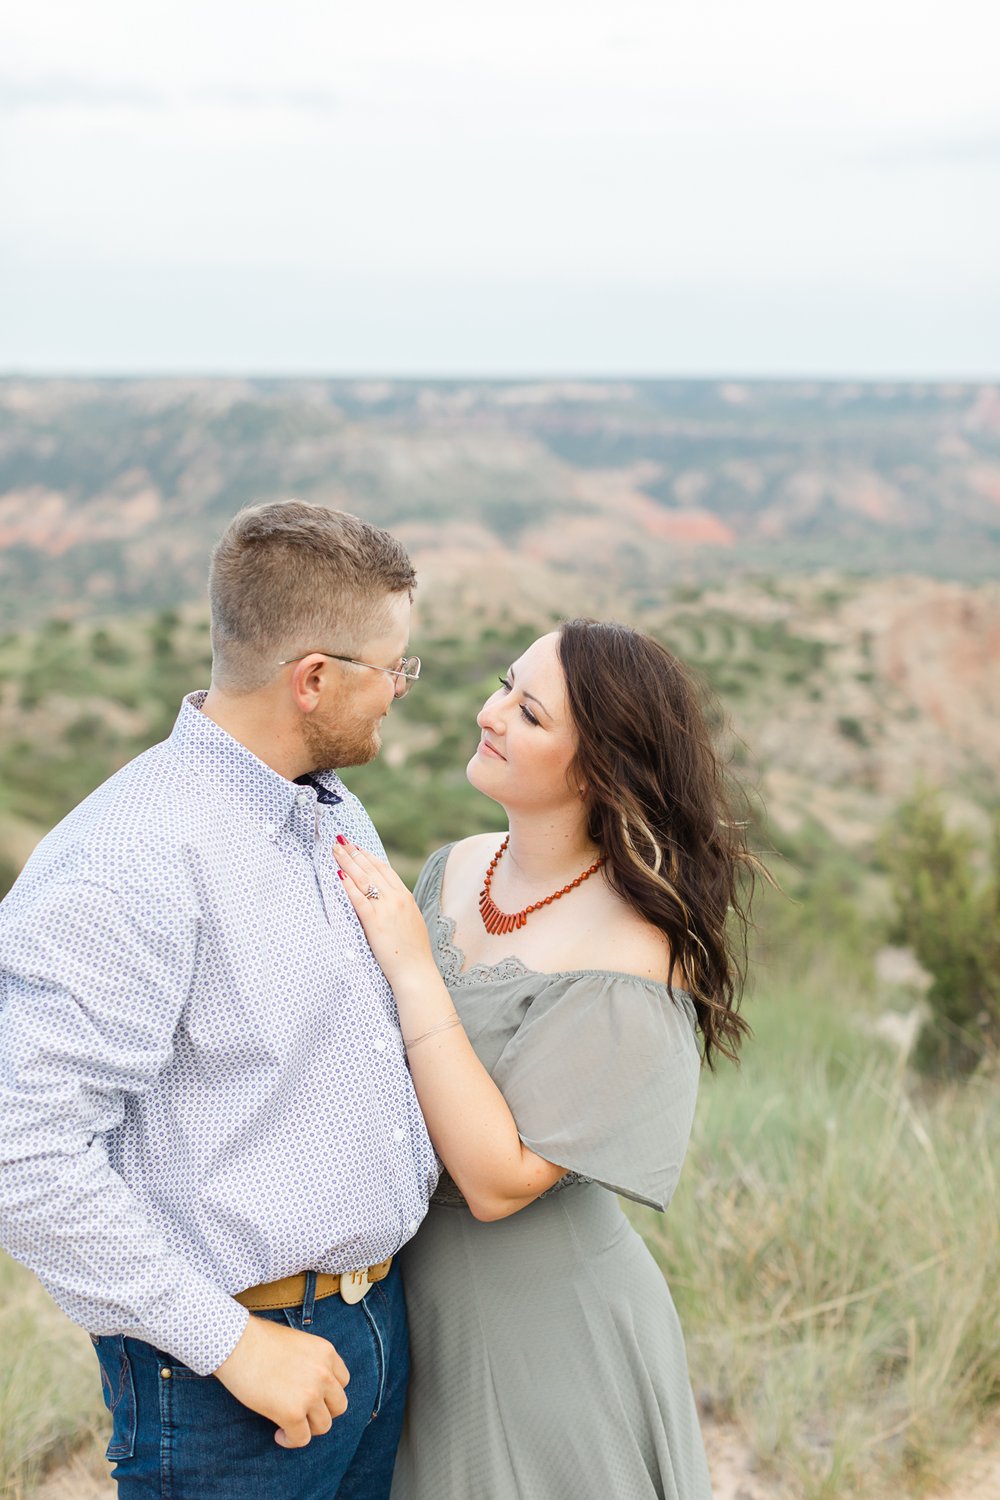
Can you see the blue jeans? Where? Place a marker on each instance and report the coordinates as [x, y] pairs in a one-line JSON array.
[[182, 1436]]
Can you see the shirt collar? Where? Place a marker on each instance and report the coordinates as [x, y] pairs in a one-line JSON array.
[[242, 778]]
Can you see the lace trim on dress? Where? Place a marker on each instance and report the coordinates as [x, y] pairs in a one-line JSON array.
[[447, 1192], [452, 958]]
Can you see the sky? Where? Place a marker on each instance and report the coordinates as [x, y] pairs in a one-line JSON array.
[[680, 188]]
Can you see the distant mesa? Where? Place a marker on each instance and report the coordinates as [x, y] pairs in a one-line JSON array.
[[111, 492], [692, 528]]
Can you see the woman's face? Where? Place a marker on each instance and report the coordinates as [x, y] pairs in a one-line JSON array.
[[527, 741]]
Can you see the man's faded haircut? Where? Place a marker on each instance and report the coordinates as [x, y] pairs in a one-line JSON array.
[[288, 578]]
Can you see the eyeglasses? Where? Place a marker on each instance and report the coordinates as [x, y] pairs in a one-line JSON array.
[[408, 670]]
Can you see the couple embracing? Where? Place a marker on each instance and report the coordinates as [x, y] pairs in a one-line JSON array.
[[318, 1163]]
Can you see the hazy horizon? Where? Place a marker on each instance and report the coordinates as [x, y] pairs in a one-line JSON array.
[[488, 377]]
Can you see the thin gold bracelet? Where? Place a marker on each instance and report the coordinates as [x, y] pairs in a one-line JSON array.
[[453, 1020]]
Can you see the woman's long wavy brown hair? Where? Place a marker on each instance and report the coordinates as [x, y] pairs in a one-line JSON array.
[[661, 808]]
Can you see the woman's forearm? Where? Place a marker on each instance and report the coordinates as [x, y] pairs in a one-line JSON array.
[[467, 1117], [466, 1114]]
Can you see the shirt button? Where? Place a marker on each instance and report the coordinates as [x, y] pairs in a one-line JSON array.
[[302, 799], [270, 829], [399, 1134], [412, 1227], [350, 953], [380, 1044]]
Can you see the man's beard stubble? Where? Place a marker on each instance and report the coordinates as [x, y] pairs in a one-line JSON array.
[[332, 744]]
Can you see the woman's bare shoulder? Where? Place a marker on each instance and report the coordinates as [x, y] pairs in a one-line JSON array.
[[465, 852], [467, 858], [629, 944]]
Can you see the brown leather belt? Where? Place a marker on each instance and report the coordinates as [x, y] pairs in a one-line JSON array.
[[290, 1291]]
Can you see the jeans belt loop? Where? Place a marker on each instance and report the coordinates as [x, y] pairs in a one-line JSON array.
[[309, 1299]]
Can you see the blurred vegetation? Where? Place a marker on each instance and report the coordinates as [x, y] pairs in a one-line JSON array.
[[50, 1386], [834, 1246], [948, 912], [78, 700]]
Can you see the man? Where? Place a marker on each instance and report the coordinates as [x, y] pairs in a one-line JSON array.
[[209, 1143]]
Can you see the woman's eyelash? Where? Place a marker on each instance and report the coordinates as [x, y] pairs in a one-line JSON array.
[[507, 686]]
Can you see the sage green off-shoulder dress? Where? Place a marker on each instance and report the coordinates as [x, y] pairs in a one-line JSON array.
[[547, 1359]]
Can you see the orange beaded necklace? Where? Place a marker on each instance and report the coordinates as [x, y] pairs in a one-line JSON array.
[[497, 921]]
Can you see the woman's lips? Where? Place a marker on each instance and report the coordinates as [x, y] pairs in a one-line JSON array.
[[485, 748]]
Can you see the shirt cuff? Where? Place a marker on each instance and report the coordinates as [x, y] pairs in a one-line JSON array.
[[196, 1323]]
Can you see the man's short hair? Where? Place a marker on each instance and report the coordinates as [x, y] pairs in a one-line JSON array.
[[288, 578]]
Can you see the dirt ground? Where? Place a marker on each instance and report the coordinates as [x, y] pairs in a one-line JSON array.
[[85, 1477], [731, 1460]]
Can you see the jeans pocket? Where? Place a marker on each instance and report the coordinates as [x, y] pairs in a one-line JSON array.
[[378, 1306], [119, 1394]]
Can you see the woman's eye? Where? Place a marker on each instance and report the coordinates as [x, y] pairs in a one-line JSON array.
[[508, 687]]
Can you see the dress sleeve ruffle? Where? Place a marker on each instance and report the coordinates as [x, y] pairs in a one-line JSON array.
[[601, 1078]]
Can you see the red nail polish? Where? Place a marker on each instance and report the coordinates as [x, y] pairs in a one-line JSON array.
[[341, 839], [341, 874]]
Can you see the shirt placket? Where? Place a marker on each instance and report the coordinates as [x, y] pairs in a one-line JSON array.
[[323, 865]]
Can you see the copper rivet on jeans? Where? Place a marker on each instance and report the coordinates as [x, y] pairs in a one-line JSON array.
[[165, 1373]]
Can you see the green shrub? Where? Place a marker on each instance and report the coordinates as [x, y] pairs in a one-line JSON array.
[[949, 914], [853, 730], [106, 649]]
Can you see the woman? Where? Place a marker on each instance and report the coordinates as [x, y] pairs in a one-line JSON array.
[[550, 1027]]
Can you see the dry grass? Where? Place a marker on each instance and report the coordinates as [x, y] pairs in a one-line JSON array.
[[835, 1254], [50, 1388]]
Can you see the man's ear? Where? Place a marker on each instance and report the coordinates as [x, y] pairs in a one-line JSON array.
[[308, 679]]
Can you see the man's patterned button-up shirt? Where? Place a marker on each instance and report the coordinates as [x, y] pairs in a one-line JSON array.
[[202, 1080]]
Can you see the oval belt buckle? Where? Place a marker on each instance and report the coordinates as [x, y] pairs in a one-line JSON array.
[[354, 1285]]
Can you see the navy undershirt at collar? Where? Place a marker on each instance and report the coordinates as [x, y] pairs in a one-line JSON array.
[[322, 795]]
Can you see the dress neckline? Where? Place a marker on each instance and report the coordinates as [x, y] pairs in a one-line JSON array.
[[511, 967]]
